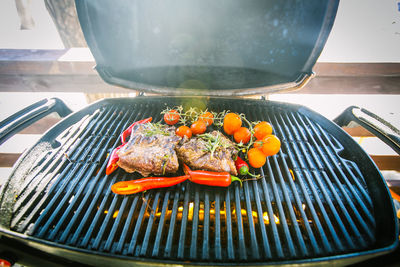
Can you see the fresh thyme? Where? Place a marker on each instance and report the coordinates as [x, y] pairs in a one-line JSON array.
[[193, 113]]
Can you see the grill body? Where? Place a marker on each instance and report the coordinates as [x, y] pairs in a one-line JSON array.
[[321, 200]]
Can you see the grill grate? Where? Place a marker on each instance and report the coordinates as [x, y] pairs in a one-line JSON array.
[[313, 201]]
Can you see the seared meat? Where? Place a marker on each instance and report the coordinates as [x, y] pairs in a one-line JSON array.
[[215, 154], [150, 149]]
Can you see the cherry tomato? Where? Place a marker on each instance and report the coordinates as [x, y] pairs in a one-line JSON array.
[[232, 122], [242, 135], [262, 129], [256, 157], [171, 117], [198, 127], [207, 117], [184, 131], [270, 145]]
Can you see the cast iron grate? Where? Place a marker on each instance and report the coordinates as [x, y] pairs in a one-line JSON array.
[[313, 202]]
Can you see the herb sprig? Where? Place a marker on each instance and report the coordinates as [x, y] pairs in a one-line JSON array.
[[156, 128]]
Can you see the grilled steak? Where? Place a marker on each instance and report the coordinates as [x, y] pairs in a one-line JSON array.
[[215, 154], [150, 149]]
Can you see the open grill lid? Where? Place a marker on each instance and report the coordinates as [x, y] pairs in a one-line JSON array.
[[206, 47]]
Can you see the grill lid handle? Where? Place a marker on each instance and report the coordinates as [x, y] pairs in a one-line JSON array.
[[378, 126], [29, 115]]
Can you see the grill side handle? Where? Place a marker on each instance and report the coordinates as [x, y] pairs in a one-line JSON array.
[[29, 115], [378, 126]]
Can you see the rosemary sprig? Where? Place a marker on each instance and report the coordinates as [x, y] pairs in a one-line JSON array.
[[213, 142], [156, 128]]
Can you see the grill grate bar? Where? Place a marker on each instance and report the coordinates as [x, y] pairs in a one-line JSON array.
[[72, 185], [308, 201], [366, 212], [96, 220], [295, 118], [249, 212], [271, 215], [206, 227], [20, 216], [43, 176], [118, 219], [168, 244], [344, 193], [145, 243], [289, 205], [195, 224], [266, 246], [71, 205], [239, 221], [289, 144], [271, 219], [342, 227], [229, 241], [128, 221], [299, 206], [328, 199], [87, 213], [70, 193], [104, 223], [182, 234], [314, 216], [157, 242], [78, 170], [86, 216], [139, 221], [217, 241], [69, 137], [74, 133], [282, 217]]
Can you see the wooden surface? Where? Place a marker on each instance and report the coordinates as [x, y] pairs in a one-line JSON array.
[[47, 71]]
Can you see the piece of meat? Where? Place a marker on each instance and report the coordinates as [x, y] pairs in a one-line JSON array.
[[196, 153], [149, 150]]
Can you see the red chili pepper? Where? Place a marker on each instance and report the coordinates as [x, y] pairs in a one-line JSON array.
[[128, 130], [242, 167], [143, 184], [223, 179], [112, 161]]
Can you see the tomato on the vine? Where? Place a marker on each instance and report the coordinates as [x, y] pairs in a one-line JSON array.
[[184, 131], [256, 157], [232, 122], [258, 144], [171, 117], [198, 127], [242, 135], [207, 117], [262, 129]]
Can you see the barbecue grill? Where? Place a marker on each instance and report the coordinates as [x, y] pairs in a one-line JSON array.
[[321, 199]]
